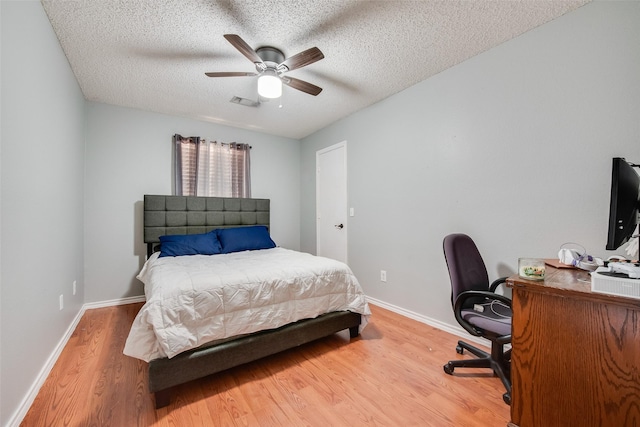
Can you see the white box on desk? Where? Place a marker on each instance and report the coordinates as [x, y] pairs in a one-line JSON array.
[[620, 286]]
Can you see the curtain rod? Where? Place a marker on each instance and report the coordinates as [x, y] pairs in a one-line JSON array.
[[225, 143], [178, 136]]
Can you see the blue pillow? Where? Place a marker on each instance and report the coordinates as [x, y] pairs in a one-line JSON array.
[[245, 239], [190, 244]]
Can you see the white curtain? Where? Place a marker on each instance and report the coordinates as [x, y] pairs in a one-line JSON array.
[[210, 168]]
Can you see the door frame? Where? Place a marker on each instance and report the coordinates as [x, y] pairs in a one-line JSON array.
[[343, 145]]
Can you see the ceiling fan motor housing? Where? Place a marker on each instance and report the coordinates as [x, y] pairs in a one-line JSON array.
[[270, 56]]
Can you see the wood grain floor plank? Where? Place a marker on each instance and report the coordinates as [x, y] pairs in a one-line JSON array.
[[389, 376]]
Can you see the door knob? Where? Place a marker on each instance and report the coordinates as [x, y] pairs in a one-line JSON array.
[[339, 226]]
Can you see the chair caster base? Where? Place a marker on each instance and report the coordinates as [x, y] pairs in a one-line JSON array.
[[507, 398], [448, 368]]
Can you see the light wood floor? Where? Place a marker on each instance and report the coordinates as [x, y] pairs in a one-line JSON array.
[[389, 376]]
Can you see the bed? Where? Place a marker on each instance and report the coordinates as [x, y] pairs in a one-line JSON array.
[[207, 313]]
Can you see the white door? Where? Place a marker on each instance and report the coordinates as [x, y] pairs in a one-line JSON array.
[[331, 202]]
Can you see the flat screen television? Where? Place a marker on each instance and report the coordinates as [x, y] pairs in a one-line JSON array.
[[625, 202]]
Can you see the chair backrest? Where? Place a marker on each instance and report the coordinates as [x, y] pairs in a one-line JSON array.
[[467, 270]]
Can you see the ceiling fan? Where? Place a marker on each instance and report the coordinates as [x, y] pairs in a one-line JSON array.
[[271, 66]]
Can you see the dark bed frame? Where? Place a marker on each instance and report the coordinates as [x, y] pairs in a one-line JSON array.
[[192, 215]]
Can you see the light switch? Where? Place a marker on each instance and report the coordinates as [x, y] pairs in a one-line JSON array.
[[352, 212]]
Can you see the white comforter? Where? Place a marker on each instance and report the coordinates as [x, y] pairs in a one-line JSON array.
[[192, 300]]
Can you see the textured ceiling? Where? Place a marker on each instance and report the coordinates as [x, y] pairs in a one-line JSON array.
[[152, 54]]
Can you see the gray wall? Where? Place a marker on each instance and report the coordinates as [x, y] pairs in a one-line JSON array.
[[513, 147], [128, 154], [42, 198]]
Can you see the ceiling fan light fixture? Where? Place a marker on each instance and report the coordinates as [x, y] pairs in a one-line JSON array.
[[271, 65], [269, 84]]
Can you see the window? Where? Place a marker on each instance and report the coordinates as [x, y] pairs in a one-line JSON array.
[[210, 168]]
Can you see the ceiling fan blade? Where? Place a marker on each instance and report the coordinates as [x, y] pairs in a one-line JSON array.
[[302, 59], [244, 48], [230, 74], [301, 85]]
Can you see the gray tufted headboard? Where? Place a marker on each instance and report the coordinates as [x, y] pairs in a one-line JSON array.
[[165, 215]]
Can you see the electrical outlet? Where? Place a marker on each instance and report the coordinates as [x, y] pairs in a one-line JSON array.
[[74, 287], [383, 276], [61, 302]]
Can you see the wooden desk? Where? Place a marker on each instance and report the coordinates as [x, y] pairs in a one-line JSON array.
[[576, 354]]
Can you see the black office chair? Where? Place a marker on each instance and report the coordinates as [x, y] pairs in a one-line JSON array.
[[478, 309]]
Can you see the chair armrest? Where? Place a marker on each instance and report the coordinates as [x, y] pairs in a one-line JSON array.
[[464, 296], [497, 283]]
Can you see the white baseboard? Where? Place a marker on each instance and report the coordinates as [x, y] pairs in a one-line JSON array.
[[26, 403], [452, 329], [112, 302]]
